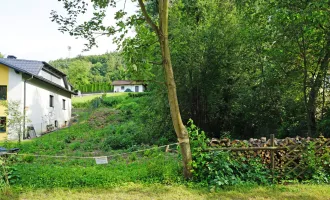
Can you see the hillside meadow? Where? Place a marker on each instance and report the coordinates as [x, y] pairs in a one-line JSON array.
[[138, 166]]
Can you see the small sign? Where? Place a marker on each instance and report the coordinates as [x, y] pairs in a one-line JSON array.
[[101, 160]]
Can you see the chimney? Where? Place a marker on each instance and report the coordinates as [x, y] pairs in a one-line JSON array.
[[11, 57]]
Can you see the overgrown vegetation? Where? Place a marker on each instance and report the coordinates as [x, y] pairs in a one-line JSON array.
[[221, 168], [112, 127], [115, 126]]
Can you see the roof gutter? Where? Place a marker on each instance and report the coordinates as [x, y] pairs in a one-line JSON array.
[[24, 106]]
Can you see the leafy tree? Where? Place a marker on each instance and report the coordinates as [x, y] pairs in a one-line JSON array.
[[1, 55], [89, 29], [104, 68], [78, 72]]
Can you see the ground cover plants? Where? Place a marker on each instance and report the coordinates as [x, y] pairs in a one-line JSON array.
[[114, 127]]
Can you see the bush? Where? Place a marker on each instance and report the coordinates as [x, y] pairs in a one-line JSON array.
[[219, 168], [112, 101], [317, 165], [139, 94], [117, 141]]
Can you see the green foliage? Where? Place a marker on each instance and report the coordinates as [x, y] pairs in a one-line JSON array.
[[15, 119], [95, 87], [93, 73], [138, 94], [317, 166], [8, 173], [78, 72], [51, 174], [112, 101], [218, 169]]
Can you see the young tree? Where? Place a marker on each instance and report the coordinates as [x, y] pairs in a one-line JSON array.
[[15, 119], [95, 27]]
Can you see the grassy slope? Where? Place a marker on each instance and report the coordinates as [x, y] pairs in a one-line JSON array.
[[91, 97], [59, 175], [159, 191]]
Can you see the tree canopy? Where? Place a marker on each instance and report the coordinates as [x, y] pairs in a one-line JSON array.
[[84, 70], [242, 68]]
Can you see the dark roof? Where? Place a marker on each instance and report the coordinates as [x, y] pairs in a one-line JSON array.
[[32, 67], [127, 82]]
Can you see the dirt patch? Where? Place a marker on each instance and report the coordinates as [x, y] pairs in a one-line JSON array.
[[103, 117]]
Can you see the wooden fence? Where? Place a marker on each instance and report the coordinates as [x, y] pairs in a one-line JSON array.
[[284, 161]]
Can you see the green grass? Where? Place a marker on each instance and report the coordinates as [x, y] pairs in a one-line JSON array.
[[149, 175], [166, 192], [91, 97]]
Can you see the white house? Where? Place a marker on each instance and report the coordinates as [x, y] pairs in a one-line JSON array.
[[43, 92], [128, 86]]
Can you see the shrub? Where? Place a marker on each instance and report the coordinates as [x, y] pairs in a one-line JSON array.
[[220, 168], [317, 165], [117, 141], [112, 101], [139, 94]]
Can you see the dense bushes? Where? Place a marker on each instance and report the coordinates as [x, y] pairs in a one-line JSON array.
[[220, 168], [95, 87]]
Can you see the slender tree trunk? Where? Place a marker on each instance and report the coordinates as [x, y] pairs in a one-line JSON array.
[[180, 129]]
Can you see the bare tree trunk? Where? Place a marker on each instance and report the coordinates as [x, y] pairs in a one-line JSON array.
[[180, 129]]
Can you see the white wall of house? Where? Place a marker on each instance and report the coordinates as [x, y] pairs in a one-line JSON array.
[[15, 92], [122, 88], [39, 110], [38, 103], [15, 86], [51, 77]]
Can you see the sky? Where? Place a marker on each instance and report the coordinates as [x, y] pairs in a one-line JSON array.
[[27, 32]]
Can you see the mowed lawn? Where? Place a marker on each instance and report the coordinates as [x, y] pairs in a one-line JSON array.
[[168, 192], [93, 96]]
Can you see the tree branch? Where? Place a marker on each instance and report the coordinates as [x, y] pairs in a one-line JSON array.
[[147, 17]]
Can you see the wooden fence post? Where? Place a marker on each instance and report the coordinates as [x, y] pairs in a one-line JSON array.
[[272, 154]]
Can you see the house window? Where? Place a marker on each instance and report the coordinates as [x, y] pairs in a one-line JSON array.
[[122, 87], [3, 92], [2, 124], [51, 101], [63, 104], [56, 124]]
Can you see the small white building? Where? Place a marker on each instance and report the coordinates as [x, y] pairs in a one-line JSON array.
[[128, 86], [43, 92]]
